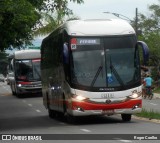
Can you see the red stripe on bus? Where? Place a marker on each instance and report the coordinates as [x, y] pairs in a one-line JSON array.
[[92, 106], [24, 82], [36, 60]]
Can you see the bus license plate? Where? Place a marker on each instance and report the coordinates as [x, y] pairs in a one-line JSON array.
[[108, 112]]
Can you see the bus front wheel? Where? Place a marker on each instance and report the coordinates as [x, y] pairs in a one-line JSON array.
[[126, 117], [13, 92], [71, 119], [51, 113]]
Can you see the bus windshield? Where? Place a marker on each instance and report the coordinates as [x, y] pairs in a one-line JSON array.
[[105, 62], [28, 70]]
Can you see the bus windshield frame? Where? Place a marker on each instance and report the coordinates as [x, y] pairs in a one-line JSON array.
[[27, 70], [97, 62]]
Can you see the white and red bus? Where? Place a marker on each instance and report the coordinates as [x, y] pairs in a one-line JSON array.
[[24, 72], [92, 67]]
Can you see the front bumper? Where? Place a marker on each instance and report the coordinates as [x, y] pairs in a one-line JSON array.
[[100, 112], [29, 90], [29, 87], [85, 108]]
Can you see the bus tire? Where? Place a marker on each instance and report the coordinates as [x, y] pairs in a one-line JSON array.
[[64, 106], [126, 117], [51, 113], [70, 119], [17, 93], [13, 93]]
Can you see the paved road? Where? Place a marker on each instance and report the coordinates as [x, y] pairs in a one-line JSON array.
[[28, 116], [152, 105]]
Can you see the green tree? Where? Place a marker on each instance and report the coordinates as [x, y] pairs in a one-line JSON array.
[[150, 27], [18, 18], [53, 21], [3, 62]]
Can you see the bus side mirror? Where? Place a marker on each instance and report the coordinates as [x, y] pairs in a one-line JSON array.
[[145, 50]]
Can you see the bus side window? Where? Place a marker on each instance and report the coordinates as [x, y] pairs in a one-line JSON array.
[[66, 60], [65, 53]]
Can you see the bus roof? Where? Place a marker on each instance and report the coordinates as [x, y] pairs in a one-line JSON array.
[[98, 27], [27, 54]]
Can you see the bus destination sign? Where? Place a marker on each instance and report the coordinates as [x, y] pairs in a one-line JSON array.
[[81, 41]]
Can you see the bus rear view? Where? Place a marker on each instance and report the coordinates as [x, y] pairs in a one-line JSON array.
[[95, 71]]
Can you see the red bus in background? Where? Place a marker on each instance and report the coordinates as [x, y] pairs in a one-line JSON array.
[[24, 72]]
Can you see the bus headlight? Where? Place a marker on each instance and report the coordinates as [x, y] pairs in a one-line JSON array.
[[19, 85], [79, 97], [134, 95]]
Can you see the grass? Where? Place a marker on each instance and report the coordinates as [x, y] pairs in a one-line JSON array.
[[149, 114], [157, 90]]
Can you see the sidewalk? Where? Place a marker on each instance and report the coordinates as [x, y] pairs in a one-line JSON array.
[[156, 95]]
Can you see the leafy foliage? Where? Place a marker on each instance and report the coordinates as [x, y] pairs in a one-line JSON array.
[[52, 22], [18, 18], [150, 27], [3, 62]]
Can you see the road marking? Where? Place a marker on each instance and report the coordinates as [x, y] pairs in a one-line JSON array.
[[30, 105], [61, 123], [38, 111], [126, 141], [153, 104], [85, 130], [24, 101], [122, 140]]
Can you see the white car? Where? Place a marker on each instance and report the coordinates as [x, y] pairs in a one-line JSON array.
[[2, 78]]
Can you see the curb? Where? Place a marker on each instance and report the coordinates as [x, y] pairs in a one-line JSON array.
[[156, 96], [146, 119]]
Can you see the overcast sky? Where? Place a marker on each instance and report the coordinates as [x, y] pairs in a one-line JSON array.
[[93, 9]]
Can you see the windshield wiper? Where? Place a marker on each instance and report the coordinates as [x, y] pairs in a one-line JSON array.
[[116, 74], [96, 75]]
